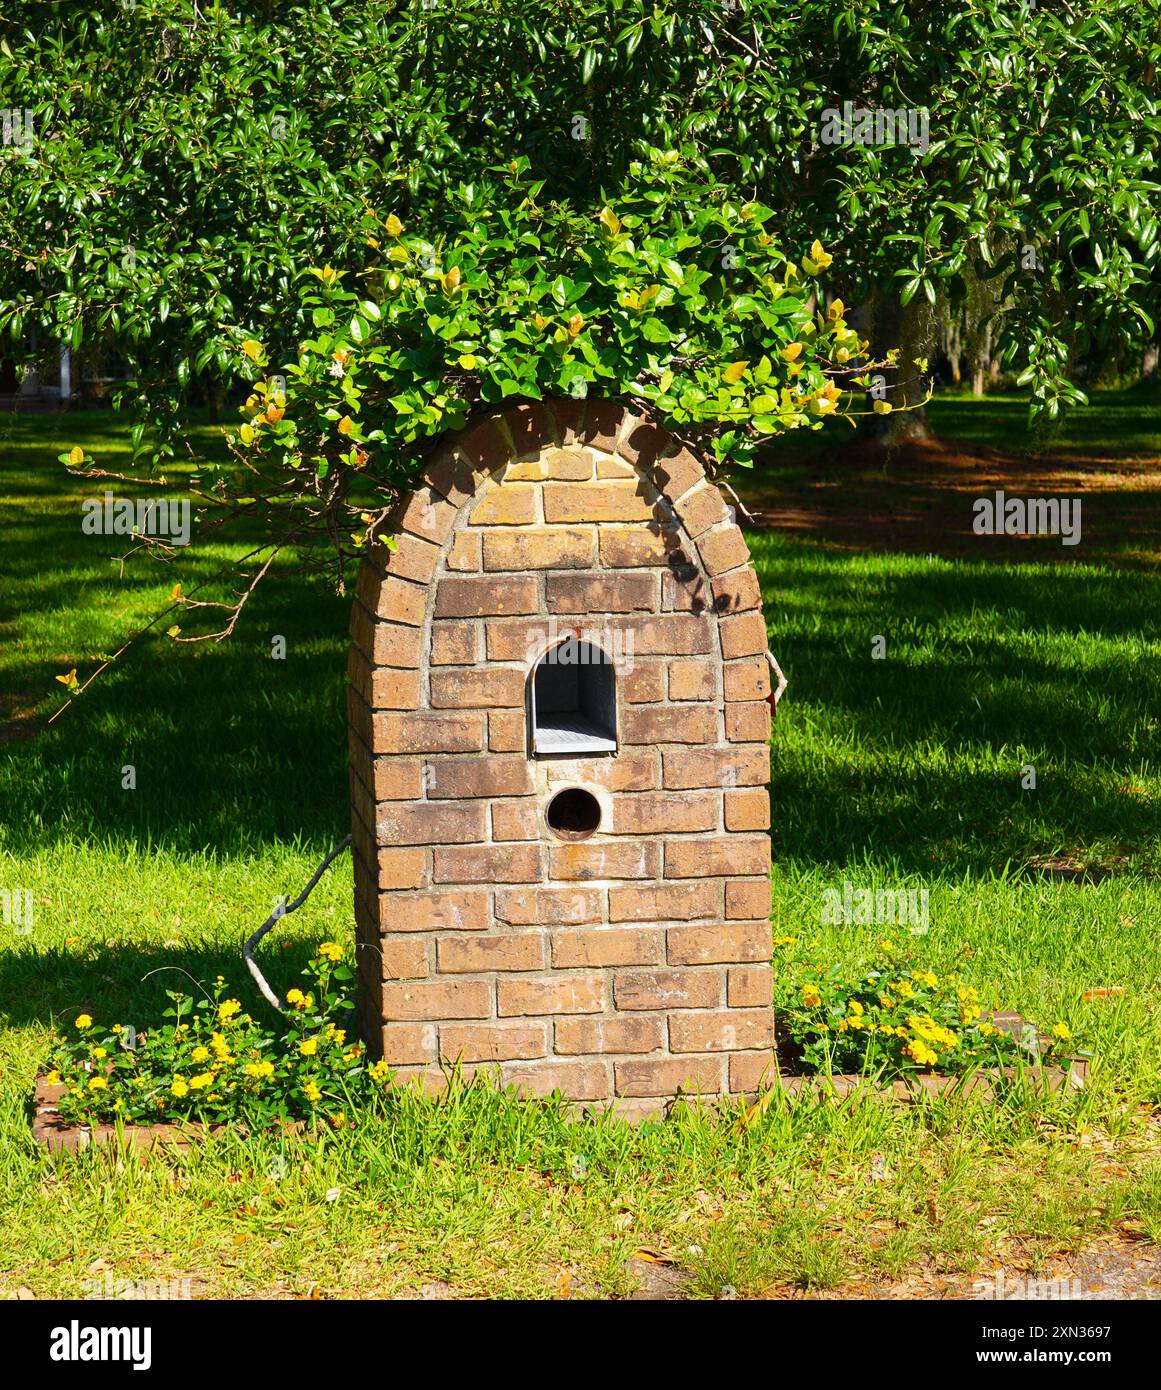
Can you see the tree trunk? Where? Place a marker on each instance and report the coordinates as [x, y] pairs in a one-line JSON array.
[[1150, 361], [913, 330]]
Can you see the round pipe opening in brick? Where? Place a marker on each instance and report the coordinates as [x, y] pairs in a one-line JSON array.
[[573, 814]]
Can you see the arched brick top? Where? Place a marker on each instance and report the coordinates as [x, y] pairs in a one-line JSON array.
[[614, 967]]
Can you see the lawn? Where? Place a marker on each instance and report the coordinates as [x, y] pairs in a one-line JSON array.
[[896, 772]]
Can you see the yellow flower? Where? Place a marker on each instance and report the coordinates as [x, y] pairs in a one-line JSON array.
[[926, 977], [203, 1079], [179, 1087], [331, 950], [227, 1009], [309, 1047], [84, 1021], [1060, 1030], [856, 1008], [378, 1071], [810, 996], [312, 1092], [221, 1047], [259, 1069], [295, 997], [886, 1001], [52, 1078], [117, 1028], [99, 1052], [98, 1083], [921, 1053], [200, 1054]]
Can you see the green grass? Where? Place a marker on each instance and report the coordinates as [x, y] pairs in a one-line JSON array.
[[897, 772]]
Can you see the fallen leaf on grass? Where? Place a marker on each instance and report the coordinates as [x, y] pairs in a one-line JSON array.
[[1105, 993]]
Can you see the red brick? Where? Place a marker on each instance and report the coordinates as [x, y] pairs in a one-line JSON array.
[[423, 732], [605, 501], [515, 820], [404, 958], [751, 1072], [412, 559], [657, 813], [684, 724], [425, 513], [677, 474], [604, 859], [505, 504], [540, 548], [748, 722], [397, 779], [723, 550], [605, 946], [747, 680], [717, 857], [453, 477], [454, 643], [473, 955], [463, 556], [577, 1080], [744, 634], [609, 467], [521, 641], [637, 547], [506, 732], [749, 986], [643, 682], [393, 645], [748, 897], [632, 770], [530, 426], [613, 593], [475, 596], [492, 1042], [716, 767], [437, 910], [392, 689], [725, 1030], [400, 601], [701, 509], [569, 416], [484, 446], [555, 994], [429, 823], [669, 902], [408, 1042], [668, 989], [643, 444], [737, 591], [692, 680], [685, 590], [497, 688], [402, 868], [748, 809], [436, 1000], [488, 864], [727, 943], [521, 907], [665, 1076], [668, 634], [603, 424], [644, 1033]]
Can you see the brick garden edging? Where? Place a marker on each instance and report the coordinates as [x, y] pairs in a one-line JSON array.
[[58, 1137]]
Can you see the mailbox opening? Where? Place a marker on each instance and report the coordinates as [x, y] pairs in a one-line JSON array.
[[574, 700]]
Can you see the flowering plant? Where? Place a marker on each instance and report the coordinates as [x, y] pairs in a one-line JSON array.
[[212, 1062], [897, 1016]]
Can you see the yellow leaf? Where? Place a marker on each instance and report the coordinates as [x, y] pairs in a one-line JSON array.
[[172, 631], [70, 679], [76, 455], [820, 257], [575, 324], [252, 348], [467, 361], [882, 407], [345, 425], [791, 352], [393, 226], [247, 434], [837, 309], [610, 221], [735, 371], [175, 592], [451, 281]]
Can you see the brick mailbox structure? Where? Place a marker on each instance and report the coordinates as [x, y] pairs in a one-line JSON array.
[[559, 742]]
